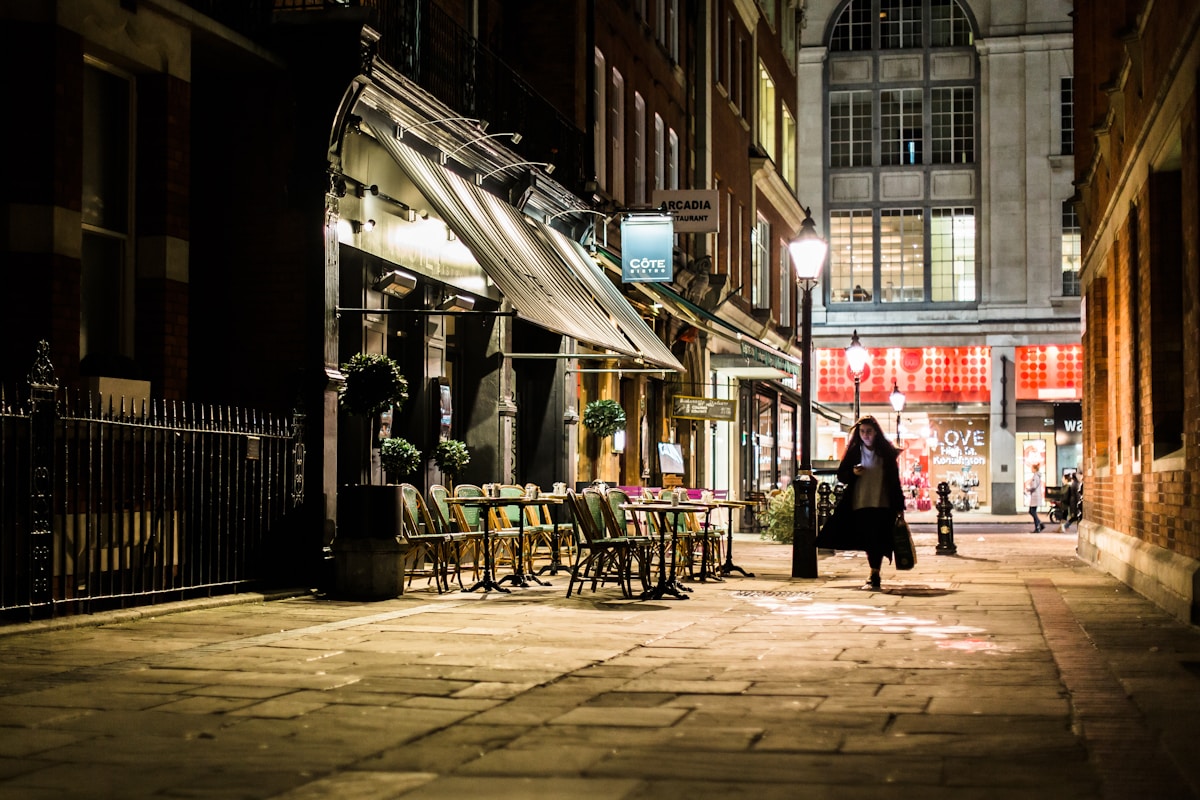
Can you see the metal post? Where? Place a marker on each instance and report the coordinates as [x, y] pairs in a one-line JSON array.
[[945, 521], [43, 392], [857, 396], [804, 531]]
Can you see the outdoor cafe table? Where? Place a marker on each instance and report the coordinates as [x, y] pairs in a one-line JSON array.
[[667, 521], [728, 567], [488, 582], [555, 566]]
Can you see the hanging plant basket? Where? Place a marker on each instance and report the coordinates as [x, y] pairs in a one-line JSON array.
[[399, 457], [604, 417]]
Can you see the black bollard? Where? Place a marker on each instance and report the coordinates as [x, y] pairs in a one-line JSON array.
[[804, 529], [945, 521], [824, 503]]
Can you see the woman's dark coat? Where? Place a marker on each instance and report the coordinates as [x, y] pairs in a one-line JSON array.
[[838, 532]]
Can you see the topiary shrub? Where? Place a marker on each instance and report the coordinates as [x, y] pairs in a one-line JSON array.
[[604, 417], [373, 382], [451, 457], [781, 512], [398, 457]]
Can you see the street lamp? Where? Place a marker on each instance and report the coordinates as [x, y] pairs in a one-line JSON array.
[[897, 399], [808, 257], [857, 357]]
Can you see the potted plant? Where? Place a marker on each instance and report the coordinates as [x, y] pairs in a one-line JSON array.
[[399, 458], [373, 385], [451, 457], [604, 417]]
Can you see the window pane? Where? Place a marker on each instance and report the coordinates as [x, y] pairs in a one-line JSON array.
[[851, 256], [949, 26], [853, 29], [902, 255], [760, 293], [766, 112], [952, 254], [901, 133], [101, 294], [1070, 250], [1067, 107], [953, 123], [787, 159], [850, 129], [899, 24], [105, 150]]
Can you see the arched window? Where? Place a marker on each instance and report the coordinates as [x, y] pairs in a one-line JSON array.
[[899, 122]]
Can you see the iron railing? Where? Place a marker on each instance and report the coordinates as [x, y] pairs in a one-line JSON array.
[[123, 503]]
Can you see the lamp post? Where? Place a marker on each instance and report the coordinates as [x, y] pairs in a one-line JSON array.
[[857, 357], [808, 257], [897, 398]]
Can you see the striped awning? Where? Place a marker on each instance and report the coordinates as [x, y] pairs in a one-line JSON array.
[[547, 277]]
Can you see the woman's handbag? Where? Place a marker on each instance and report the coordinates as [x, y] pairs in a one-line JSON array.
[[903, 549]]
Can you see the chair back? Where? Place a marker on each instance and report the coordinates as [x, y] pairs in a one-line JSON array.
[[617, 498], [438, 508], [596, 504], [585, 524], [470, 518], [673, 496], [508, 516], [416, 515]]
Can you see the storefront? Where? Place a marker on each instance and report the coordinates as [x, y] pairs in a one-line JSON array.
[[955, 412]]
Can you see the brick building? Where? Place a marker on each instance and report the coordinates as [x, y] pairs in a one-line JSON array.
[[1137, 163]]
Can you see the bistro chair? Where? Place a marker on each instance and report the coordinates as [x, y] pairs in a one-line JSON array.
[[470, 518], [598, 558], [466, 542], [433, 551], [620, 524]]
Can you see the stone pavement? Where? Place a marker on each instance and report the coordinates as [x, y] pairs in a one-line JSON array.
[[1011, 670]]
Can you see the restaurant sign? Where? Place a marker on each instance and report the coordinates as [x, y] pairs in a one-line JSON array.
[[647, 242], [694, 210], [683, 407]]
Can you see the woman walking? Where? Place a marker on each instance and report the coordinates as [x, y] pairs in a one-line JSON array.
[[1037, 495], [866, 514]]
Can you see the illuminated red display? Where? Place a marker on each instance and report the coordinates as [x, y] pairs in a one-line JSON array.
[[924, 374], [1050, 372]]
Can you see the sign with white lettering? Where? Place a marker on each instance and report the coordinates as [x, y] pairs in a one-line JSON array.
[[695, 211], [684, 407], [647, 241]]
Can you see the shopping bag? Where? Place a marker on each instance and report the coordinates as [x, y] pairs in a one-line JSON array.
[[903, 550]]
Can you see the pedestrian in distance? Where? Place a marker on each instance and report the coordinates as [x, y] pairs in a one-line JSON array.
[[1036, 492], [865, 517], [1070, 502]]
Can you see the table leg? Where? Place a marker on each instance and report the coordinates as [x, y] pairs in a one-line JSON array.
[[728, 567], [487, 583], [667, 585]]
